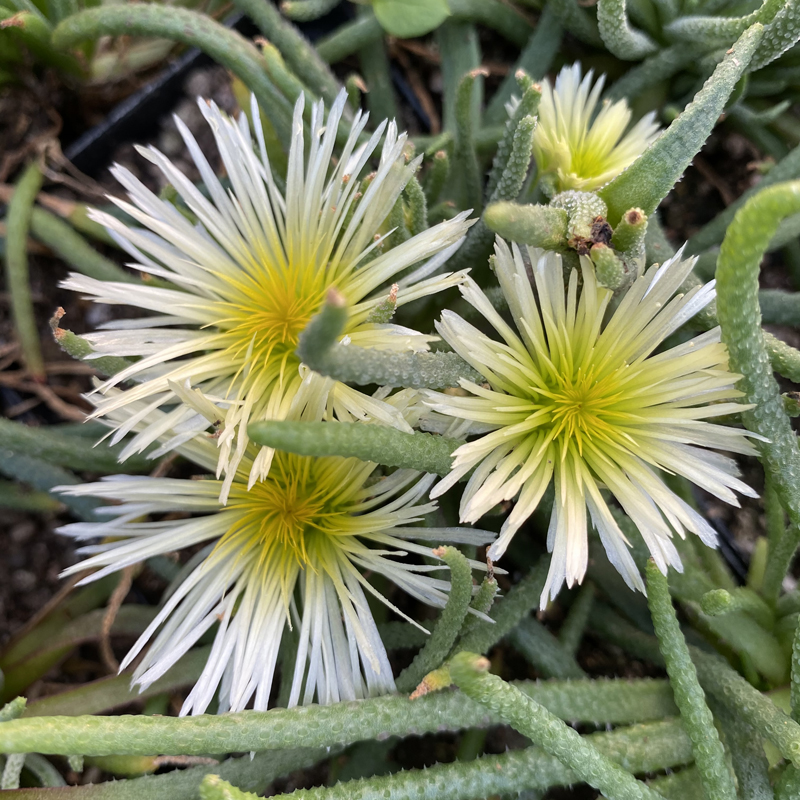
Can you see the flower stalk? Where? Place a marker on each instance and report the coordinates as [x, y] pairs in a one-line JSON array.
[[470, 673], [689, 696], [612, 701]]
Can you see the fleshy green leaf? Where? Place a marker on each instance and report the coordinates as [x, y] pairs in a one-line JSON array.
[[619, 37], [408, 18], [383, 445], [648, 180]]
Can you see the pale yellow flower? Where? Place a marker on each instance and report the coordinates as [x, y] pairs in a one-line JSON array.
[[590, 405], [218, 346], [577, 147]]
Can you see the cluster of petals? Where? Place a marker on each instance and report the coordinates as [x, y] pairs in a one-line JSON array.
[[289, 553], [577, 146], [240, 275], [591, 406]]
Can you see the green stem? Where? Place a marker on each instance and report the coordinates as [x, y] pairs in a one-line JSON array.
[[795, 674], [383, 445], [577, 20], [29, 28], [403, 635], [513, 157], [483, 601], [105, 694], [719, 31], [285, 80], [611, 701], [741, 119], [81, 350], [131, 620], [354, 36], [44, 476], [739, 316], [779, 35], [225, 46], [689, 696], [307, 10], [12, 771], [461, 53], [747, 756], [716, 677], [375, 68], [653, 70], [738, 628], [544, 651], [779, 307], [647, 748], [683, 785], [506, 179], [784, 359], [470, 673], [20, 208], [416, 206], [436, 176], [713, 233], [67, 243], [254, 774], [74, 452], [788, 787], [574, 625], [618, 36], [319, 349], [648, 180], [12, 495], [13, 709], [449, 625], [298, 52], [507, 613], [471, 745], [43, 770], [718, 602], [495, 14], [348, 38], [535, 60], [464, 145], [484, 597], [536, 225]]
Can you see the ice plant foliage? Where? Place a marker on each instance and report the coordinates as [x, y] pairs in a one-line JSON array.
[[250, 269], [589, 405], [578, 147], [289, 552]]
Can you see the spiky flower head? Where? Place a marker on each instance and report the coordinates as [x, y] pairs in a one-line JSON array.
[[592, 407], [578, 147], [291, 552], [249, 268]]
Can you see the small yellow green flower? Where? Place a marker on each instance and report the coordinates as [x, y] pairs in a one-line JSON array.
[[576, 148]]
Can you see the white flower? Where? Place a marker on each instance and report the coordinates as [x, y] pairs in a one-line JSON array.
[[246, 277], [589, 405], [291, 551], [576, 149]]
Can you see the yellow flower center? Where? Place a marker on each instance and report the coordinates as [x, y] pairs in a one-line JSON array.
[[581, 407], [287, 518], [263, 325]]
